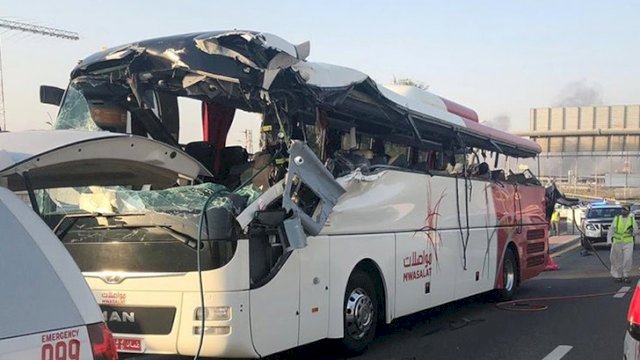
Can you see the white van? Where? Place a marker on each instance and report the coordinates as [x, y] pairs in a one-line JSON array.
[[65, 175], [47, 311]]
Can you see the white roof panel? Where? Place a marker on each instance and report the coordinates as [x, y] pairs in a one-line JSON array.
[[16, 147], [67, 149]]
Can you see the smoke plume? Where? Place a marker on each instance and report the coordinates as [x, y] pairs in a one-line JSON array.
[[500, 122], [579, 93]]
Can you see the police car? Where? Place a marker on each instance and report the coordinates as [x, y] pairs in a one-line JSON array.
[[47, 311], [595, 225]]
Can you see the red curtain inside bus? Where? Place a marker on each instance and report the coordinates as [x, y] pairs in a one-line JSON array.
[[216, 122]]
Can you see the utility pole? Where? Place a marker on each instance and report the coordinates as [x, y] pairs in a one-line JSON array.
[[29, 28]]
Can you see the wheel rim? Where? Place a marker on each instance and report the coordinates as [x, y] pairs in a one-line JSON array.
[[358, 313], [509, 274]]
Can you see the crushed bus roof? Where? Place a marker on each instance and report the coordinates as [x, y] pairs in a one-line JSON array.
[[251, 70]]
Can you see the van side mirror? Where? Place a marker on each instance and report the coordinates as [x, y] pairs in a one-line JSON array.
[[51, 95], [217, 224]]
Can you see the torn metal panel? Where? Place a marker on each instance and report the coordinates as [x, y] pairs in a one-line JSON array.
[[270, 195], [210, 46], [307, 173], [295, 233], [358, 176], [303, 50], [327, 75]]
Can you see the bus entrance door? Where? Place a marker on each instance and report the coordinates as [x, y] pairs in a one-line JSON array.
[[309, 196]]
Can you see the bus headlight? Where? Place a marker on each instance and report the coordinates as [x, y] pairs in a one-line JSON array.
[[212, 330], [213, 313], [590, 227]]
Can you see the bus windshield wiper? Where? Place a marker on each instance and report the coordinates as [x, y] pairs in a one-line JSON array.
[[63, 227], [178, 235]]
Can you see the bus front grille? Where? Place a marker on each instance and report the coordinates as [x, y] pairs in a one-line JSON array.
[[138, 320], [535, 260], [535, 248], [535, 234]]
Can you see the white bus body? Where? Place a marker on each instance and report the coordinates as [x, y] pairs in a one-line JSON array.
[[314, 250]]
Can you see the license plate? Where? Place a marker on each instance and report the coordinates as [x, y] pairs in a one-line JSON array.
[[129, 345]]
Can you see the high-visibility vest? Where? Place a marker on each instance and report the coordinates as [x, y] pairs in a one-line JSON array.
[[555, 216], [623, 230]]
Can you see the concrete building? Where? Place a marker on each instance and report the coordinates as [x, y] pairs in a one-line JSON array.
[[588, 144]]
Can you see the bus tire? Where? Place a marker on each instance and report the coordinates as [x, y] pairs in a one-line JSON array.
[[360, 313], [509, 276]]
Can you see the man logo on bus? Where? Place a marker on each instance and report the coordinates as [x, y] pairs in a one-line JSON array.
[[115, 316]]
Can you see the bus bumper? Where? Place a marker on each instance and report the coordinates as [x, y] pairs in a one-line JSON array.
[[227, 331]]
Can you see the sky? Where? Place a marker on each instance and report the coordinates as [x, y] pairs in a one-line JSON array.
[[500, 58]]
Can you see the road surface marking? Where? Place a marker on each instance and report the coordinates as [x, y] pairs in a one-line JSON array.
[[565, 250], [622, 292], [558, 353]]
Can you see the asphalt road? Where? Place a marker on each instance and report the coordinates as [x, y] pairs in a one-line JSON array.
[[578, 327]]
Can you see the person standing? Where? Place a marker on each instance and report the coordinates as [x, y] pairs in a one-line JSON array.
[[555, 222], [621, 235]]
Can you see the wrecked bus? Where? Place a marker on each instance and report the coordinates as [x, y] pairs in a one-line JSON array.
[[364, 202]]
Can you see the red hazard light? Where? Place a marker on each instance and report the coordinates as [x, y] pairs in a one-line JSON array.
[[633, 316], [102, 342]]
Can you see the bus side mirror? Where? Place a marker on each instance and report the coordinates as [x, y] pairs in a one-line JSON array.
[[217, 224], [51, 95]]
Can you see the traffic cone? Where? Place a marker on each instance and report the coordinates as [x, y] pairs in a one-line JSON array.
[[551, 265]]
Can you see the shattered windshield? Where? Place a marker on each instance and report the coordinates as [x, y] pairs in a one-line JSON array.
[[109, 228], [122, 200], [74, 112]]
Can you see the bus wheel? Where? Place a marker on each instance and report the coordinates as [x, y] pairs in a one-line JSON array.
[[509, 276], [360, 313]]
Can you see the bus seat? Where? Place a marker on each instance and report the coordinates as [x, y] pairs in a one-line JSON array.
[[202, 151], [261, 161], [483, 169], [518, 178], [379, 156], [379, 159], [400, 160], [234, 160], [498, 175]]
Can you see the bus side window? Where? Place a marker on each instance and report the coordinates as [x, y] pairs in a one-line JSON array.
[[398, 154]]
